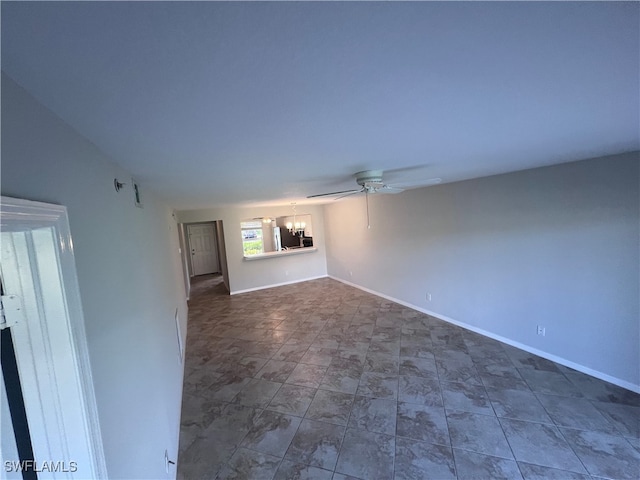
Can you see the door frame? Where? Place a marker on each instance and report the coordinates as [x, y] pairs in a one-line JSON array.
[[52, 353], [213, 225]]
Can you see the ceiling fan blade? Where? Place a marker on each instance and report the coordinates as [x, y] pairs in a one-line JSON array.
[[389, 189], [350, 193], [333, 193], [416, 183]]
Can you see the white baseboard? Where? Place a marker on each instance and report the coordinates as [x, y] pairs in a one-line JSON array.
[[554, 358], [264, 287]]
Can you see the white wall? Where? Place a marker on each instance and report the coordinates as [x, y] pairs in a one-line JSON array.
[[555, 246], [129, 273], [255, 274]]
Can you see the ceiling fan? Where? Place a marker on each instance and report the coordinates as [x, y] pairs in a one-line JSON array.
[[371, 181]]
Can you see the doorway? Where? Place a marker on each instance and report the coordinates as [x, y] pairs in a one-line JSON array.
[[203, 248]]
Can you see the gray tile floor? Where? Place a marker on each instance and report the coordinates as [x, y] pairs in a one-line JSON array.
[[319, 380]]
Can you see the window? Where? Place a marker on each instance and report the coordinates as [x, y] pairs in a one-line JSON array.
[[252, 237]]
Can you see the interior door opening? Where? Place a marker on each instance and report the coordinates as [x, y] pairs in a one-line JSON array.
[[185, 247], [203, 248]]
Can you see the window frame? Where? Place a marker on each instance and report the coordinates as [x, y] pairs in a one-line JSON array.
[[251, 226]]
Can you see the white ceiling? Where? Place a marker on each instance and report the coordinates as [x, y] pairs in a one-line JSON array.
[[213, 104]]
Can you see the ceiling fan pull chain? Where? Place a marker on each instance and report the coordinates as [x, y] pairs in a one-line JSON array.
[[366, 195]]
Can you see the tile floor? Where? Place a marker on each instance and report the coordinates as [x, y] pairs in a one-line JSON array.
[[319, 380]]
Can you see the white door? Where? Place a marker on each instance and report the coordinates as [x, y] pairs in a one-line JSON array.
[[204, 253], [42, 309]]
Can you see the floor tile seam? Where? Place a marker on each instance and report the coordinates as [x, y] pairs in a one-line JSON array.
[[235, 450], [266, 409], [265, 453], [594, 400], [455, 464], [454, 410], [325, 421], [526, 420], [201, 395], [439, 380], [300, 462], [481, 453], [345, 425], [504, 434], [588, 475], [563, 438], [614, 428], [285, 413], [598, 432], [630, 442], [278, 391], [506, 352], [568, 379], [576, 453], [520, 369], [585, 472], [344, 434], [450, 445], [513, 459], [485, 392], [325, 389], [335, 468], [395, 443], [404, 437], [485, 381], [362, 429], [256, 451]]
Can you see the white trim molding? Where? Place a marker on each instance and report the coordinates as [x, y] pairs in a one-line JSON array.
[[264, 287], [562, 361], [38, 265]]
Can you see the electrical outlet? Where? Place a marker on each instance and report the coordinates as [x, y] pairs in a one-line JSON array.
[[286, 273], [541, 330], [350, 273], [428, 297]]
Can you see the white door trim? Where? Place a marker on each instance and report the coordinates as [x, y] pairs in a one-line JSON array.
[[51, 346]]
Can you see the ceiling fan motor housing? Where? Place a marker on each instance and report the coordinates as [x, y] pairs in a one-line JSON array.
[[369, 178]]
